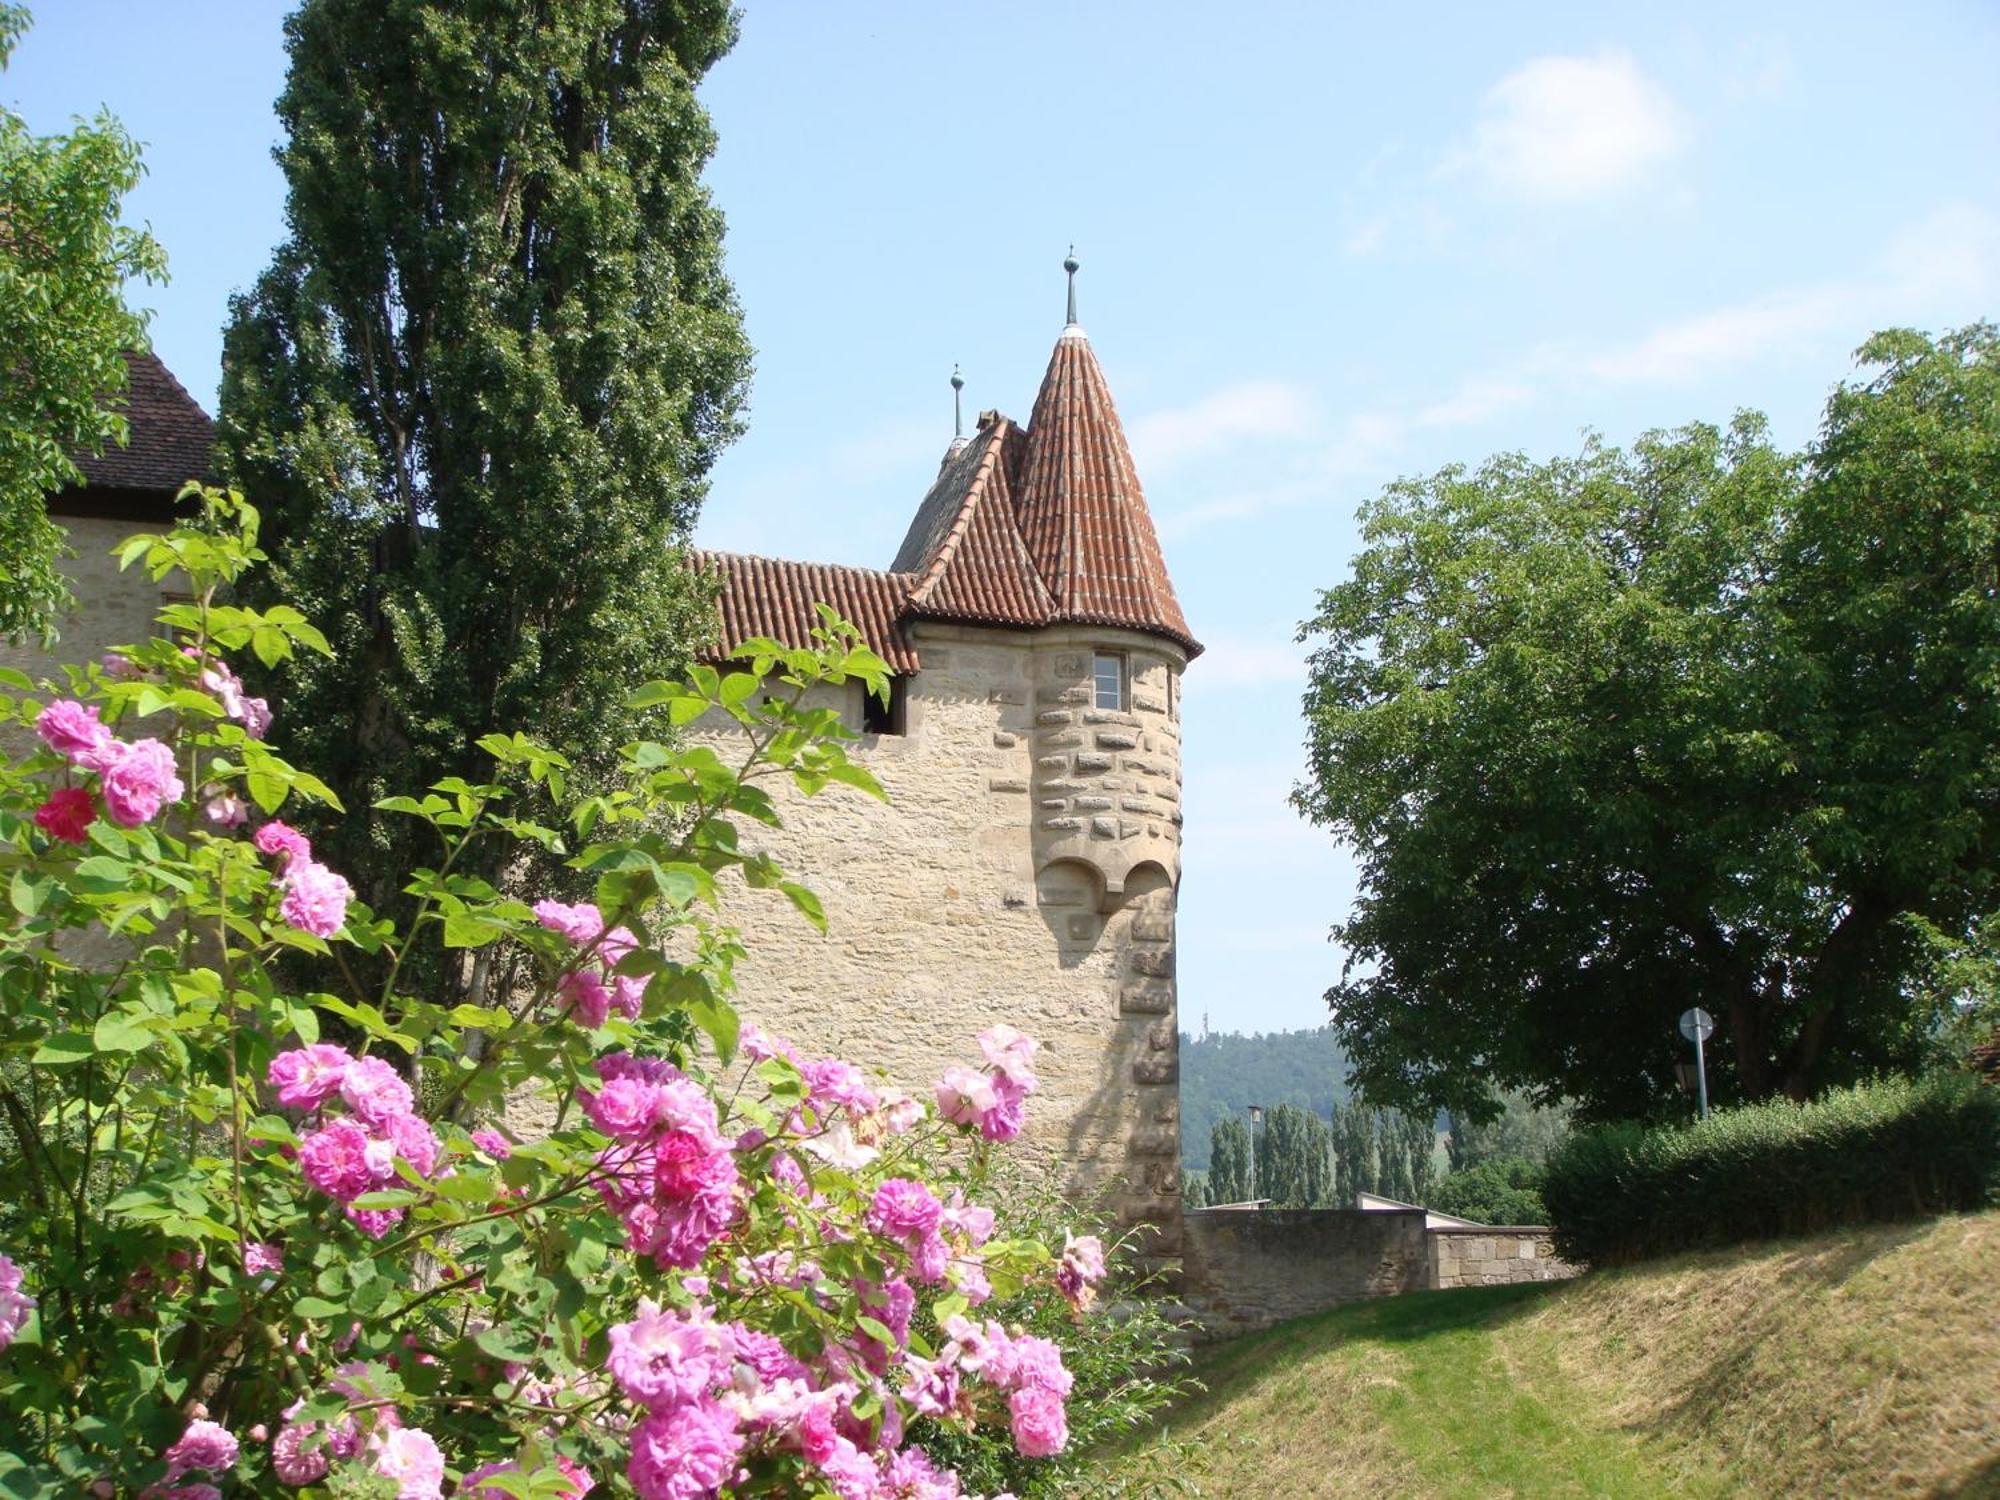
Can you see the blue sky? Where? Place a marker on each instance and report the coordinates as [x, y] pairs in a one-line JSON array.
[[1322, 245]]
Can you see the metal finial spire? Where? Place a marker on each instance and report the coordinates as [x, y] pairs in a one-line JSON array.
[[957, 404], [1070, 265]]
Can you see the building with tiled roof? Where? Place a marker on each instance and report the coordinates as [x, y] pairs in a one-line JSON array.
[[125, 489], [1024, 868]]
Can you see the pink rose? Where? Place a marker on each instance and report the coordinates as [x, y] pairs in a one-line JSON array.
[[1041, 1426], [306, 1076], [285, 842], [315, 898], [71, 728], [226, 810], [336, 1160], [137, 779], [375, 1092], [205, 1445]]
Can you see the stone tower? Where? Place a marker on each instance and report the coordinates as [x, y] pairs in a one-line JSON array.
[[1026, 865]]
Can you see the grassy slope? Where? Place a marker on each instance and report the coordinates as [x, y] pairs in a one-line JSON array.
[[1866, 1362]]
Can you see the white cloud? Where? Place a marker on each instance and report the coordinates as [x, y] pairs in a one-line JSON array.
[[1946, 264], [1570, 127], [1220, 420], [1366, 239]]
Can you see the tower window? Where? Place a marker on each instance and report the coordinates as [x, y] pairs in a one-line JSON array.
[[1109, 673], [892, 717]]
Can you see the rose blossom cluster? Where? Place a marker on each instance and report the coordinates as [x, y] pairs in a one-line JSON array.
[[993, 1099], [1029, 1370], [15, 1304], [135, 777], [303, 1452], [842, 1120], [354, 1153], [670, 1172], [1080, 1269], [206, 1446], [254, 714], [594, 991], [315, 898], [718, 1396]]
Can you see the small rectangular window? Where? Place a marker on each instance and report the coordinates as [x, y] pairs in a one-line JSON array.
[[1109, 672], [892, 717]]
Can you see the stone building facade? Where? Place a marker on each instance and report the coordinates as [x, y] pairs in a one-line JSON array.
[[1025, 866]]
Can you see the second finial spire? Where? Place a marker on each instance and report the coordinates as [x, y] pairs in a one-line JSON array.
[[957, 405], [1070, 265]]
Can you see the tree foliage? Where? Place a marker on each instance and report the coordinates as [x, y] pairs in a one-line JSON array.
[[64, 330], [1495, 1190], [1702, 723], [481, 383], [1222, 1073]]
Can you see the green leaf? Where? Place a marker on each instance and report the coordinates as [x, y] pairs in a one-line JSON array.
[[123, 1030], [30, 893], [510, 1343], [318, 1307], [64, 1049], [807, 903], [465, 930]]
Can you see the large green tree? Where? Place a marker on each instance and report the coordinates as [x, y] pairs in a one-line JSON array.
[[64, 330], [479, 388], [1705, 723]]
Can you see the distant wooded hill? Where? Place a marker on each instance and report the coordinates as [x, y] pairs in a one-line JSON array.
[[1223, 1072]]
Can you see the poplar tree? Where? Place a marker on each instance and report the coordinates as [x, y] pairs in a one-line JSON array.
[[478, 390], [1229, 1174]]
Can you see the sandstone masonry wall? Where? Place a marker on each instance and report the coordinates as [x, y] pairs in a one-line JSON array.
[[110, 608], [1023, 870], [1244, 1269], [1495, 1257]]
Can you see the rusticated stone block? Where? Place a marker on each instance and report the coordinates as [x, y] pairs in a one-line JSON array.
[[1147, 704], [1160, 1036], [1127, 829], [1062, 825], [1069, 695], [1093, 804], [1146, 999], [1005, 739], [1055, 804], [1141, 805], [1088, 762], [1154, 963], [1157, 1067], [1055, 716], [1006, 784], [1153, 927], [1061, 739], [1152, 1141], [1117, 739], [1108, 716], [1104, 828]]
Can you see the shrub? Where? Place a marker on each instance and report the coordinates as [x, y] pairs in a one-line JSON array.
[[254, 1238], [1892, 1149], [1503, 1190], [1119, 1345]]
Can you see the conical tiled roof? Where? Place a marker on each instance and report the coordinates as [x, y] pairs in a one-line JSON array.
[[1082, 512], [1021, 528]]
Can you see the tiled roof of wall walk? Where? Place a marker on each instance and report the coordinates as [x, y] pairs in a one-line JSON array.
[[1081, 509], [767, 596], [965, 546], [170, 435]]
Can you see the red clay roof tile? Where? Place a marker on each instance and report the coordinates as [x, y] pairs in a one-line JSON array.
[[768, 596], [169, 435]]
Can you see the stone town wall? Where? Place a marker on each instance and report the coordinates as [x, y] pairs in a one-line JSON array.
[[1495, 1257], [110, 608], [1022, 871], [1244, 1269]]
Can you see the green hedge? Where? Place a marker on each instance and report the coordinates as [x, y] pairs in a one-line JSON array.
[[1894, 1149]]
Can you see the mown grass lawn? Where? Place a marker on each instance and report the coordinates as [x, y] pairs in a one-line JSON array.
[[1861, 1363]]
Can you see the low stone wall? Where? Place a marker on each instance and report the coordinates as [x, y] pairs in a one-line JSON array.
[[1494, 1257], [1244, 1269]]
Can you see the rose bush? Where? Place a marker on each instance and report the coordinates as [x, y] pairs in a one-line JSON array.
[[266, 1239]]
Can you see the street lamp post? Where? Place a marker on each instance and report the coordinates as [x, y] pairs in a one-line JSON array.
[[1256, 1119]]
